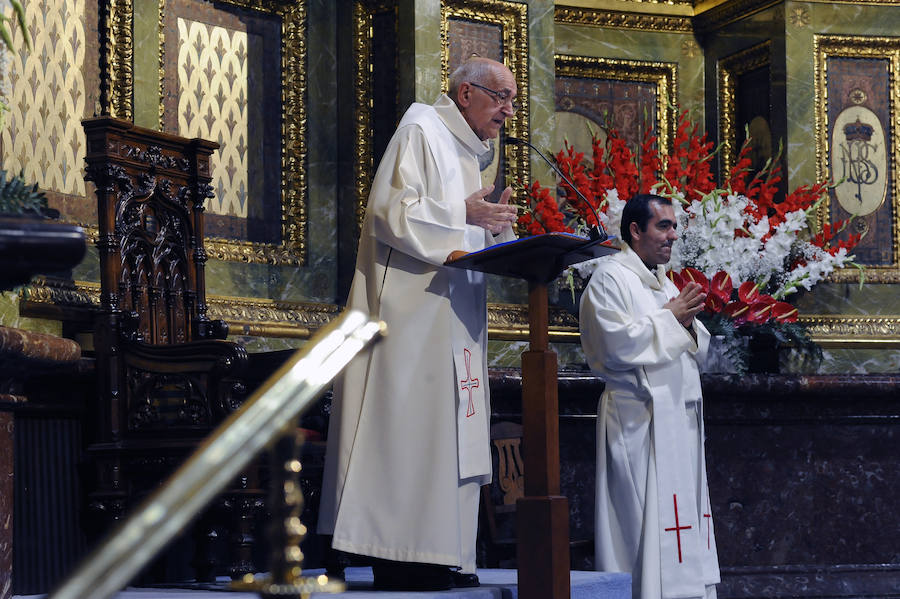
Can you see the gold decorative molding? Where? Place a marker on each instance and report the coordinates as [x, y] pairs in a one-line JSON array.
[[879, 332], [616, 19], [512, 18], [117, 58], [887, 48], [61, 299], [161, 23], [364, 12], [509, 322], [729, 69], [663, 74], [252, 317]]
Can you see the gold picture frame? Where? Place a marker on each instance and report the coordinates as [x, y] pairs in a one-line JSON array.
[[663, 75], [117, 99], [729, 69], [888, 49], [364, 12]]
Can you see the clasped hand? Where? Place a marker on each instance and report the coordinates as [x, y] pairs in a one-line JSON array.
[[487, 215], [687, 304]]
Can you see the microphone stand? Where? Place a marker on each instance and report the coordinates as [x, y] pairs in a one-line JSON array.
[[597, 232]]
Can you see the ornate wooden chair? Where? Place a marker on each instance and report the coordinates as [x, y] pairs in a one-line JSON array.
[[166, 374], [497, 536]]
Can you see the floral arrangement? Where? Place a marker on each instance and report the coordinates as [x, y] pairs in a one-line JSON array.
[[747, 250]]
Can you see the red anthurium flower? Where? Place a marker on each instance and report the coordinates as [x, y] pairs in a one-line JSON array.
[[748, 292], [676, 278], [714, 303], [784, 312], [721, 286], [694, 275], [737, 311], [764, 298], [759, 313]]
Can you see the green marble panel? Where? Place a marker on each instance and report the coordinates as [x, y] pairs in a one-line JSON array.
[[9, 316], [146, 63], [541, 67]]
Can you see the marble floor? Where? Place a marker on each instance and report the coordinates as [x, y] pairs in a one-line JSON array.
[[495, 584]]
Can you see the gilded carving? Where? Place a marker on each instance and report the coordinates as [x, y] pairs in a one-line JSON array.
[[273, 318], [512, 19], [662, 74], [615, 19], [882, 332], [800, 17], [729, 69], [509, 322], [363, 31], [887, 49], [66, 300], [117, 51]]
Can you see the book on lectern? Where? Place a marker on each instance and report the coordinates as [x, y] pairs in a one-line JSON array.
[[537, 257]]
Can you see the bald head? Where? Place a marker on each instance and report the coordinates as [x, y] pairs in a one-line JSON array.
[[476, 69], [484, 90]]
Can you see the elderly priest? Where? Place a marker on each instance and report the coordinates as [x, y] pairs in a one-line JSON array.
[[408, 436]]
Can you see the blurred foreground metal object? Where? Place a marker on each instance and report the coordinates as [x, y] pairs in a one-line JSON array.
[[269, 414], [286, 531]]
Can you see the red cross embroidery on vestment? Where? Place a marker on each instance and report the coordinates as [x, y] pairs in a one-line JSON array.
[[708, 517], [469, 383], [677, 528]]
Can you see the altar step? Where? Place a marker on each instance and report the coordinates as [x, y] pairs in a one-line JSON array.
[[495, 584]]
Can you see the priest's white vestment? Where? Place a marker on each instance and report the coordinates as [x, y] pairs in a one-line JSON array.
[[653, 516], [408, 443]]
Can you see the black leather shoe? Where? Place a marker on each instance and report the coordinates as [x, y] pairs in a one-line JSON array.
[[411, 576], [462, 580]]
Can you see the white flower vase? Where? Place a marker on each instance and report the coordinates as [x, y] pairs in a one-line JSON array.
[[717, 361]]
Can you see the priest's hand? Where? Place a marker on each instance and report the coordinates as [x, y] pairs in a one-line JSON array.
[[488, 215], [687, 304]]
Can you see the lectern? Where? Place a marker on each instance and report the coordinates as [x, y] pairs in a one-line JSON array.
[[542, 515]]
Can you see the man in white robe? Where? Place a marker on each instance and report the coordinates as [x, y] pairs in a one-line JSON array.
[[408, 443], [653, 516]]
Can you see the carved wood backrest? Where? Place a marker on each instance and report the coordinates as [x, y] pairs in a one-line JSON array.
[[151, 188]]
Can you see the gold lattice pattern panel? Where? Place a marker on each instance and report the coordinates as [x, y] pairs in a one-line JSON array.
[[212, 104], [43, 137]]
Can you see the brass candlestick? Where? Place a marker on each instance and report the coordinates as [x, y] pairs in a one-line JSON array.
[[287, 531]]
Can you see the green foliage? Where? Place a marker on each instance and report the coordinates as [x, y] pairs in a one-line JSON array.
[[4, 30], [736, 338], [16, 197]]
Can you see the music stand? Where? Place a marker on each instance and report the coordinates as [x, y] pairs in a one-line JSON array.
[[542, 515]]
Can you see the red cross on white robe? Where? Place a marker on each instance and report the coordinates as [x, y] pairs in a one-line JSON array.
[[469, 383], [708, 517], [677, 528]]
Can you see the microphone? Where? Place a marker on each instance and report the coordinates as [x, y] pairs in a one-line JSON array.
[[597, 232]]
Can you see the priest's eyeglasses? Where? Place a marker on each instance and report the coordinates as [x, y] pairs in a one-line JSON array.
[[500, 98]]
